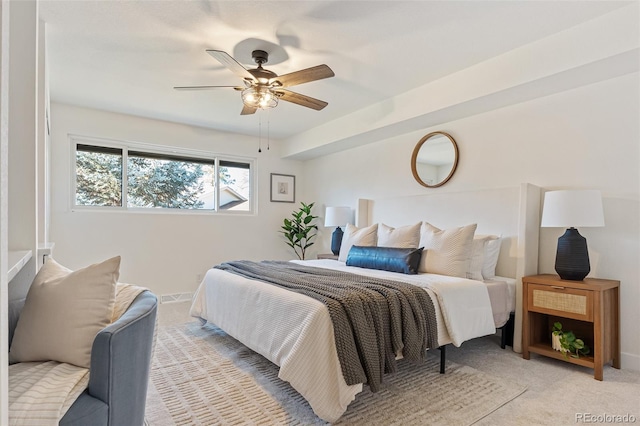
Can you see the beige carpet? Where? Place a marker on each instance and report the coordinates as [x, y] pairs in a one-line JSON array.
[[201, 376]]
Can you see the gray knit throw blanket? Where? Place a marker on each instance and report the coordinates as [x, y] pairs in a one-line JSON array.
[[373, 318]]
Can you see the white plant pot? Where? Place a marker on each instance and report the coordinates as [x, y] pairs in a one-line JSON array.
[[555, 343]]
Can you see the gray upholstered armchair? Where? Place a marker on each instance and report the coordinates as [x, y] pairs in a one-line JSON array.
[[120, 364]]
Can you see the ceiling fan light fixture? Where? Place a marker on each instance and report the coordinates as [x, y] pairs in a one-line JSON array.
[[259, 97], [264, 88]]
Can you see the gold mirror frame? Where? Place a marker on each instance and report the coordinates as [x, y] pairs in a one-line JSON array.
[[414, 158]]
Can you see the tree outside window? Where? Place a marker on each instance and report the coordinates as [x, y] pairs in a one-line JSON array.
[[98, 176], [158, 180]]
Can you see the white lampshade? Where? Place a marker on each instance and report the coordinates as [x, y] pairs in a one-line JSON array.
[[572, 209], [337, 216]]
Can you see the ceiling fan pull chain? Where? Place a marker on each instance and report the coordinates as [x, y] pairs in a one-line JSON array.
[[268, 128], [259, 132]]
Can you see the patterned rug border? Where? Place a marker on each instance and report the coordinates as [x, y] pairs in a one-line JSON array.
[[202, 376]]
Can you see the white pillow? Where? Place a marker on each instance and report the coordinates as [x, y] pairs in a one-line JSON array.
[[402, 237], [491, 253], [64, 311], [476, 262], [446, 252], [358, 237]]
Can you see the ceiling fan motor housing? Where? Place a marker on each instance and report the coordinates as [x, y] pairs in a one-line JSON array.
[[262, 75], [260, 57]]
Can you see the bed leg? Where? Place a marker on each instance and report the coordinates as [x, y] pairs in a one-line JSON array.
[[506, 337], [443, 357]]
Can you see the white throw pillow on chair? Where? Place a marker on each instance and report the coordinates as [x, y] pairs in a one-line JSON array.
[[64, 311]]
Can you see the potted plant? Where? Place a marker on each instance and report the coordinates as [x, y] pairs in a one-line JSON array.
[[566, 342], [300, 230]]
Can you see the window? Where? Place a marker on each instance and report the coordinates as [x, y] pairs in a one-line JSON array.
[[136, 176], [167, 181], [98, 176], [235, 182]]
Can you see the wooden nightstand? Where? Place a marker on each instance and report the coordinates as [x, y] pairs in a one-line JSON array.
[[328, 256], [589, 308]]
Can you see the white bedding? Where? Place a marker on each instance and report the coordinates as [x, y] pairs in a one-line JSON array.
[[463, 304], [502, 293], [511, 292], [295, 331]]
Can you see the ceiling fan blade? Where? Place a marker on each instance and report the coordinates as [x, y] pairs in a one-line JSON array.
[[228, 61], [247, 110], [303, 76], [206, 87], [297, 98]]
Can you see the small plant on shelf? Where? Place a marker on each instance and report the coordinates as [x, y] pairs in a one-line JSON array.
[[569, 345], [300, 230]]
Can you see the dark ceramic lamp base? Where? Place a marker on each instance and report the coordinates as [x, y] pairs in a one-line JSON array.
[[336, 241], [572, 257]]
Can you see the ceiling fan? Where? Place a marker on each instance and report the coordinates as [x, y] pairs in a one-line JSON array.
[[263, 88]]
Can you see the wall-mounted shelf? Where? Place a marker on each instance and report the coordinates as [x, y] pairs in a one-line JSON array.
[[17, 260]]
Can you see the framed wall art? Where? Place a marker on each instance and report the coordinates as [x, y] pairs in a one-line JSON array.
[[283, 188]]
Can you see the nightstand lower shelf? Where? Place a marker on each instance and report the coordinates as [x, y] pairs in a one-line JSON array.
[[546, 350]]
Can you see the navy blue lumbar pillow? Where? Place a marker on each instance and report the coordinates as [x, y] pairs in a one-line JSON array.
[[403, 260]]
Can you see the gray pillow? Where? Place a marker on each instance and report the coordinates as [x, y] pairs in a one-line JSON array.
[[393, 259]]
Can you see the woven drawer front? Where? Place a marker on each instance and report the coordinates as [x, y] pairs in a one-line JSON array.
[[563, 302]]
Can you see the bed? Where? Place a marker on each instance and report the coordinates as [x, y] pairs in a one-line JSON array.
[[296, 332]]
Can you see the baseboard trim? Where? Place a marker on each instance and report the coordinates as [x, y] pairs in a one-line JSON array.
[[630, 361], [176, 297]]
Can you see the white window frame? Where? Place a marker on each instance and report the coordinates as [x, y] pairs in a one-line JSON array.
[[126, 146]]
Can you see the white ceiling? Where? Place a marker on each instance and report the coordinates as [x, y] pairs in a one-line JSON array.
[[126, 56]]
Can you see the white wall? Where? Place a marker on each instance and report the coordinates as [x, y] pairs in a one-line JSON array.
[[19, 92], [164, 252], [583, 138], [4, 211]]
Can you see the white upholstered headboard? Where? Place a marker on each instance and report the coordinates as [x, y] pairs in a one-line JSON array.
[[513, 212]]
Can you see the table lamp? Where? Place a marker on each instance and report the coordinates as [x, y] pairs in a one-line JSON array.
[[337, 216], [571, 209]]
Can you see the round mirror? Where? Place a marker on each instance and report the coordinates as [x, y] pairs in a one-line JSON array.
[[434, 159]]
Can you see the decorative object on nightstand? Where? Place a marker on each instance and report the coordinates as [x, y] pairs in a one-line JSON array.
[[337, 216], [571, 209], [589, 308], [328, 256]]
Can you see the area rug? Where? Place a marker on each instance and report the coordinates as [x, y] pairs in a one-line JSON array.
[[202, 376]]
